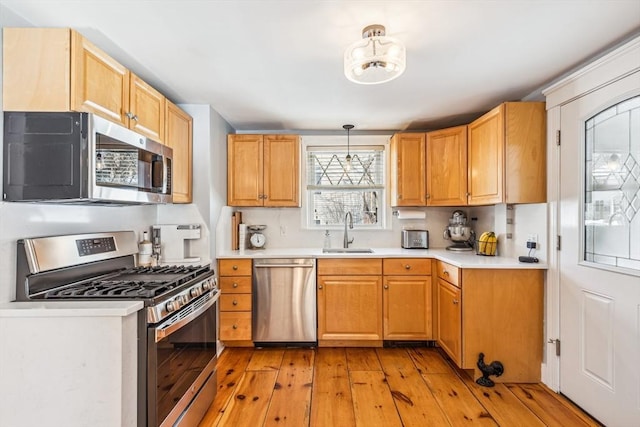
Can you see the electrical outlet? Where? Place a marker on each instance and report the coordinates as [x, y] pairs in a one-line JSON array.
[[532, 241]]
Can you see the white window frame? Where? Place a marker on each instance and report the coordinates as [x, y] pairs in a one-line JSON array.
[[384, 219]]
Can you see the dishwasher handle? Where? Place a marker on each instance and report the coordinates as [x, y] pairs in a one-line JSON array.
[[283, 265]]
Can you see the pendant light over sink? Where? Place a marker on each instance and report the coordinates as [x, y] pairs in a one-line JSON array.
[[348, 158], [374, 59]]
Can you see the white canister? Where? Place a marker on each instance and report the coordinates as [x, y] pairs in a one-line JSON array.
[[145, 249]]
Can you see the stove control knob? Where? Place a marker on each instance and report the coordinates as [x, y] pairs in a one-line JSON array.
[[182, 300], [196, 292], [208, 285], [170, 306]]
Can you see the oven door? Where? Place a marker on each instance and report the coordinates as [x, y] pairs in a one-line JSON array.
[[181, 364]]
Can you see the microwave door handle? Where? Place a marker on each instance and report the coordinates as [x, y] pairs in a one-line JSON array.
[[165, 330]]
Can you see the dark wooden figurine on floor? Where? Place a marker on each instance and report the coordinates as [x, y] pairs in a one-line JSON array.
[[493, 368]]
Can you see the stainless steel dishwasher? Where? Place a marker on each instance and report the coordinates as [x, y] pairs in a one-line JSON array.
[[284, 301]]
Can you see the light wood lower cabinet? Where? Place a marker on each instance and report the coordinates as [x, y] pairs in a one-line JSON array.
[[235, 302], [349, 302], [449, 333], [498, 312], [406, 296]]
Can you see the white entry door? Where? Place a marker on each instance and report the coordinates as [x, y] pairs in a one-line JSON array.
[[599, 259]]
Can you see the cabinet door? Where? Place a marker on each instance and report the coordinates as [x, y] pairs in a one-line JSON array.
[[447, 167], [525, 152], [244, 170], [349, 308], [408, 170], [179, 136], [146, 110], [36, 69], [449, 333], [486, 163], [281, 170], [99, 84], [407, 308]]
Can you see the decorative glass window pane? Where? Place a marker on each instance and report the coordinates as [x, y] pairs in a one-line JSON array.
[[335, 187], [612, 186]]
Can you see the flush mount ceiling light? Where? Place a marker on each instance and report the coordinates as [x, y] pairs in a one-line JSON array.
[[374, 59]]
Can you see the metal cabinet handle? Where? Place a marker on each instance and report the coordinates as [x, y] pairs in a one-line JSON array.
[[455, 301], [235, 285], [320, 287], [428, 195], [234, 302], [129, 115], [386, 286], [235, 326], [445, 272], [408, 267], [235, 267], [135, 117]]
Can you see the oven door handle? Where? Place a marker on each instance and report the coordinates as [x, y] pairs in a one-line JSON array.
[[163, 331]]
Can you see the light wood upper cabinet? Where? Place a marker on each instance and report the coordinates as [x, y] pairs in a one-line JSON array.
[[263, 170], [99, 84], [507, 155], [57, 69], [146, 109], [36, 72], [447, 167], [179, 136], [281, 170], [408, 169]]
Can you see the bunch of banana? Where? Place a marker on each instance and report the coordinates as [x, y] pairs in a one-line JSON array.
[[487, 243]]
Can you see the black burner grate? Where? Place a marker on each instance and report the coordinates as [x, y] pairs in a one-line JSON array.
[[135, 283]]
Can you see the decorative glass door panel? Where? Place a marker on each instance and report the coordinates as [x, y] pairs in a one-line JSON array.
[[612, 186]]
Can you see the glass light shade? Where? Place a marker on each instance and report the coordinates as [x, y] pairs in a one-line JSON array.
[[374, 59]]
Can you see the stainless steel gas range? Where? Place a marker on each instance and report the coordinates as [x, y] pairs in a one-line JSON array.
[[176, 328]]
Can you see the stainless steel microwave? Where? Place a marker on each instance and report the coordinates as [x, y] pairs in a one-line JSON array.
[[83, 159]]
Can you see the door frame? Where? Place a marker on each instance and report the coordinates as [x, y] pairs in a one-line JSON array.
[[613, 64]]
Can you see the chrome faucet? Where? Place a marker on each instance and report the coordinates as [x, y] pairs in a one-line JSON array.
[[346, 240]]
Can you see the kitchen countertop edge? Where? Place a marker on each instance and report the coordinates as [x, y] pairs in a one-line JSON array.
[[69, 308], [458, 259]]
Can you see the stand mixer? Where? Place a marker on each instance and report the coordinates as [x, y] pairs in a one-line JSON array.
[[461, 234]]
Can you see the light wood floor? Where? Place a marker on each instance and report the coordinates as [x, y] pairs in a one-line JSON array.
[[343, 387]]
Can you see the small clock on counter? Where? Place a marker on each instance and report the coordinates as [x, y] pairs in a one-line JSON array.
[[257, 240]]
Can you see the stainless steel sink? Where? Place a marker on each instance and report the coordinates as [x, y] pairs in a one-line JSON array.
[[348, 251]]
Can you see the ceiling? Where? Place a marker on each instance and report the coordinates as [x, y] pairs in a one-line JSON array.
[[277, 65]]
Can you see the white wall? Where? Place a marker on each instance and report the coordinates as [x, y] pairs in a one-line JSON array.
[[209, 179], [527, 219]]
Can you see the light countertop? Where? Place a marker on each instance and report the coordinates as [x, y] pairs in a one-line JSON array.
[[459, 259], [69, 308]]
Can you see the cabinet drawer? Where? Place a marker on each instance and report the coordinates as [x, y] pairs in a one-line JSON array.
[[348, 266], [235, 267], [235, 325], [449, 273], [411, 266], [235, 285], [235, 302]]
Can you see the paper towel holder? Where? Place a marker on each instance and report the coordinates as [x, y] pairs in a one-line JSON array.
[[409, 214]]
